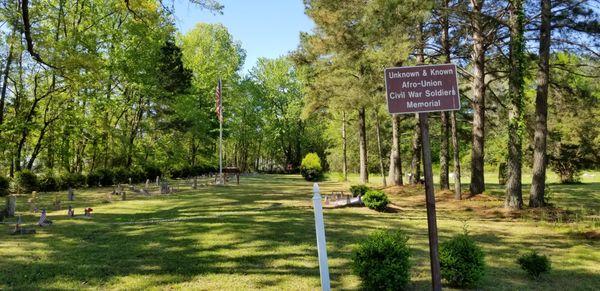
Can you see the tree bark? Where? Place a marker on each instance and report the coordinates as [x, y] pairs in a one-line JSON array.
[[538, 181], [5, 74], [514, 195], [395, 172], [456, 154], [415, 165], [477, 151], [344, 149], [444, 152], [378, 132], [362, 144], [453, 128]]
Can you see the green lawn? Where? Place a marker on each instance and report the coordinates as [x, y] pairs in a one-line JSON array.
[[260, 235]]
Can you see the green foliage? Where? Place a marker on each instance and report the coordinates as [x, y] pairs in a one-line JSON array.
[[462, 261], [26, 181], [152, 172], [382, 261], [311, 168], [534, 264], [106, 177], [93, 179], [566, 161], [4, 186], [121, 175], [49, 183], [72, 180], [375, 199], [502, 173], [360, 189]]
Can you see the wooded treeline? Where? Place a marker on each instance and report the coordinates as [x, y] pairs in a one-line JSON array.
[[525, 66], [88, 86]]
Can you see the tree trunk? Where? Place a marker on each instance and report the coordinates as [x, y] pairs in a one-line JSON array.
[[5, 75], [456, 154], [453, 129], [378, 132], [395, 172], [477, 151], [514, 198], [344, 150], [415, 165], [444, 152], [362, 144], [538, 181]]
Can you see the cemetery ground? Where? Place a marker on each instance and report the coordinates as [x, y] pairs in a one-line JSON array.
[[260, 235]]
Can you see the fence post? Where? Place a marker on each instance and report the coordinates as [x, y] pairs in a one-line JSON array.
[[321, 245]]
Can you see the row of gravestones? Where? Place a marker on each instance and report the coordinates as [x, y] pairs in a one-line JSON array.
[[165, 188]]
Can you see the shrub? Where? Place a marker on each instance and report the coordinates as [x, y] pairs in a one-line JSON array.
[[121, 175], [311, 168], [4, 186], [502, 173], [151, 172], [382, 261], [49, 183], [93, 179], [359, 190], [534, 264], [73, 180], [26, 181], [461, 261], [107, 177], [376, 200]]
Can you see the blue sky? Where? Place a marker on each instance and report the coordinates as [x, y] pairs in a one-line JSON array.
[[266, 28]]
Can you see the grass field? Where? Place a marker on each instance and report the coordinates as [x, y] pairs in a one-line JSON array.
[[260, 235]]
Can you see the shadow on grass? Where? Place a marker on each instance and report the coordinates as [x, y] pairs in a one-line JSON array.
[[272, 237]]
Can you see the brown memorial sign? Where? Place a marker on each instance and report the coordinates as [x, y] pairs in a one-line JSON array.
[[422, 89]]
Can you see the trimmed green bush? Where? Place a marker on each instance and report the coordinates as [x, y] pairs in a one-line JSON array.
[[49, 183], [534, 264], [4, 186], [359, 190], [375, 199], [461, 261], [93, 179], [26, 181], [107, 177], [382, 261], [311, 168], [152, 172], [73, 180], [121, 175]]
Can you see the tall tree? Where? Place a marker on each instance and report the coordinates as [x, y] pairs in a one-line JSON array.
[[477, 185], [538, 182], [514, 196]]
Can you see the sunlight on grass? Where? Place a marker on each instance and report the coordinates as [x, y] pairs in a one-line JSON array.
[[260, 235]]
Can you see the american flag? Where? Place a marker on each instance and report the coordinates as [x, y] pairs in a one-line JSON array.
[[219, 106]]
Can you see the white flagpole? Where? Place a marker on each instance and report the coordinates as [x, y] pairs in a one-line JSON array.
[[221, 133]]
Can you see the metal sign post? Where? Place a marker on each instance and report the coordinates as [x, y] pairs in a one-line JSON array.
[[424, 89]]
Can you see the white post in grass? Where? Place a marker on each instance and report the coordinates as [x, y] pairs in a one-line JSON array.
[[321, 245]]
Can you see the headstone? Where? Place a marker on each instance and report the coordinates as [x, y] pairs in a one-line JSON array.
[[70, 211], [157, 180], [129, 180], [57, 203], [33, 201], [164, 188], [11, 205], [124, 196], [119, 189], [70, 195], [147, 184]]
